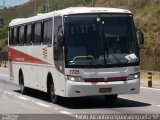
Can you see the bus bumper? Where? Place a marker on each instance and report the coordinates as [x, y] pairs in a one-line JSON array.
[[80, 89]]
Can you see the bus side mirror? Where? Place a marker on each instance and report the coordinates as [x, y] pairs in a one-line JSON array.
[[140, 37], [61, 39]]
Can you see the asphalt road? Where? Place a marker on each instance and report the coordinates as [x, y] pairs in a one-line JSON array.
[[37, 105]]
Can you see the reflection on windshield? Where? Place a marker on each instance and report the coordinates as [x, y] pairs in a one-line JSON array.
[[94, 40]]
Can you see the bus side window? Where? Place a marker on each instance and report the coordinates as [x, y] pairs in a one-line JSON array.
[[18, 35], [28, 34], [10, 36], [25, 33], [47, 33], [15, 36], [57, 24], [21, 35], [37, 33]]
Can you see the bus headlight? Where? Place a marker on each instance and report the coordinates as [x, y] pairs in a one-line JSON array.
[[75, 78], [133, 76]]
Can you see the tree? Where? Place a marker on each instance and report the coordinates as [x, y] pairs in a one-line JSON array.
[[1, 22], [4, 32]]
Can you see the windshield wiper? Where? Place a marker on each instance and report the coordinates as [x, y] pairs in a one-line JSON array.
[[116, 58]]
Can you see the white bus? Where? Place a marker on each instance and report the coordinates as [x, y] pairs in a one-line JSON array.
[[76, 52]]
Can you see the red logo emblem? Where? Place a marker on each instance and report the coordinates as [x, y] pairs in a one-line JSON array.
[[45, 52]]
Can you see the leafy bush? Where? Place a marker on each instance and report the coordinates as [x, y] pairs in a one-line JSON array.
[[158, 67], [4, 32]]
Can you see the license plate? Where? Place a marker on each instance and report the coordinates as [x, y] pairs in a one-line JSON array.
[[104, 90]]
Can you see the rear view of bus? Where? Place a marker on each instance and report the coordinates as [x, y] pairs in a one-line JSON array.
[[95, 52]]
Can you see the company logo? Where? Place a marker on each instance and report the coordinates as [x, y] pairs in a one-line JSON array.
[[105, 79], [45, 52]]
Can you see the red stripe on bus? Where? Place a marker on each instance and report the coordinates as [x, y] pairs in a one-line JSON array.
[[18, 56], [104, 79]]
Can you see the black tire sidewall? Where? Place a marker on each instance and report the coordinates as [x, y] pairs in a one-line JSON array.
[[54, 98], [22, 87]]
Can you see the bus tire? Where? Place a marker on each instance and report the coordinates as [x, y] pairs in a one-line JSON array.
[[111, 99], [21, 83], [53, 96]]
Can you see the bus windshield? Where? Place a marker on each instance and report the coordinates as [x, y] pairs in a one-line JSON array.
[[100, 40]]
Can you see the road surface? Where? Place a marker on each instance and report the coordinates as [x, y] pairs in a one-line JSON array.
[[36, 104]]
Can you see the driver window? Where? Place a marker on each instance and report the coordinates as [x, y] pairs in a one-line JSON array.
[[57, 27]]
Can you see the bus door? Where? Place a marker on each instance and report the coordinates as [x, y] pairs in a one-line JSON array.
[[59, 53]]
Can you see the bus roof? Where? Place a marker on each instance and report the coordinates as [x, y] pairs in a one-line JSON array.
[[67, 11]]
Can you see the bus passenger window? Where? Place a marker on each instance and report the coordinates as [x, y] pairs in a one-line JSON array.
[[37, 33], [47, 33], [10, 36], [15, 36], [21, 35], [29, 34]]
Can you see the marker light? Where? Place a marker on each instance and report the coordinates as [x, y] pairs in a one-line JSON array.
[[74, 78], [133, 76]]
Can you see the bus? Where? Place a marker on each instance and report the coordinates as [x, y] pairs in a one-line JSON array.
[[76, 52]]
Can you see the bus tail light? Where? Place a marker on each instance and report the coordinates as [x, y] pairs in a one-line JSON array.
[[133, 76], [74, 78]]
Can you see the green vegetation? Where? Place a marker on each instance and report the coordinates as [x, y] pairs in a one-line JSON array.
[[4, 31], [158, 67], [146, 14], [3, 38]]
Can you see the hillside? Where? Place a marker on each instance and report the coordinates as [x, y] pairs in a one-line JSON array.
[[146, 14]]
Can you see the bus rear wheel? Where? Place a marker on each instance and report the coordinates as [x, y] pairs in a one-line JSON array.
[[21, 83], [111, 99], [54, 97]]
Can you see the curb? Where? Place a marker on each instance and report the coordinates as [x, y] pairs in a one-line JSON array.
[[153, 85]]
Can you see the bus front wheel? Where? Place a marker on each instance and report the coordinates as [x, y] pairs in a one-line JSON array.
[[21, 83], [54, 97]]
